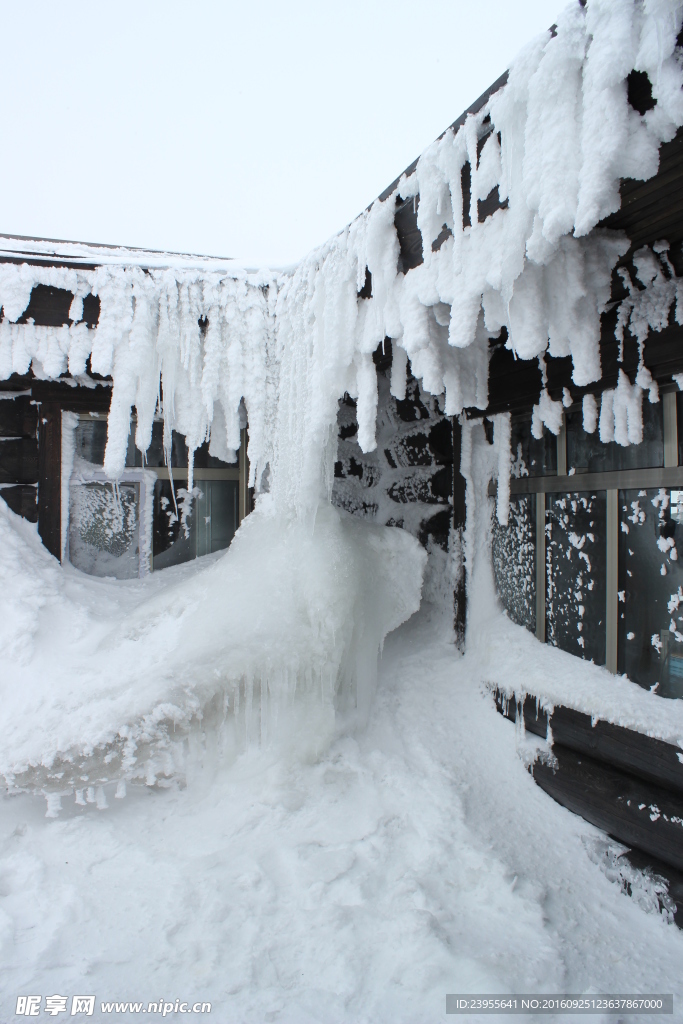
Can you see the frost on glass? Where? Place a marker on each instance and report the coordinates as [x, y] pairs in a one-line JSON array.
[[650, 638], [514, 560], [531, 456], [575, 573], [103, 529], [586, 453]]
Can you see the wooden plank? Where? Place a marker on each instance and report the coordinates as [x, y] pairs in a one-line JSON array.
[[643, 756], [459, 482], [72, 399], [19, 461], [23, 500], [459, 522], [649, 759], [535, 718], [48, 306], [50, 478], [636, 813], [18, 417], [409, 235]]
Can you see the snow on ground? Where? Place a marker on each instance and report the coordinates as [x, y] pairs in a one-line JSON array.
[[413, 858]]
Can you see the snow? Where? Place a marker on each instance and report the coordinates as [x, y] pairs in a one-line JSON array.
[[110, 680], [293, 840], [590, 414], [409, 860]]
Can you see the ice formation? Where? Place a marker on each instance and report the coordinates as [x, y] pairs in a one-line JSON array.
[[550, 147], [506, 205], [274, 643]]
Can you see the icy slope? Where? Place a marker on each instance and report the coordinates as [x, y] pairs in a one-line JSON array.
[[415, 859], [107, 679]]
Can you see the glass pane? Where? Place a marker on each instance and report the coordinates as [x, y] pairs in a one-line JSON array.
[[531, 457], [679, 417], [209, 527], [587, 454], [154, 457], [514, 560], [216, 514], [650, 638], [103, 529], [576, 552], [172, 542], [91, 440], [179, 454]]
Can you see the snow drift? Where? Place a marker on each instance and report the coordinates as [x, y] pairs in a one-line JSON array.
[[108, 680]]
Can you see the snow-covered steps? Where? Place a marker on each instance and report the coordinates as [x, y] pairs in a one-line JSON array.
[[620, 780], [643, 756], [647, 817]]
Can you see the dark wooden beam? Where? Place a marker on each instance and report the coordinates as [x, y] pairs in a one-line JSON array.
[[50, 478], [645, 757], [635, 813], [22, 500], [18, 461], [459, 522], [73, 399], [18, 417]]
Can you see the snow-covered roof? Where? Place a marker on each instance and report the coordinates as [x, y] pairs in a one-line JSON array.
[[54, 251]]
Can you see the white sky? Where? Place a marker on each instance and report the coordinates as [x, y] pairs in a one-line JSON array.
[[253, 130]]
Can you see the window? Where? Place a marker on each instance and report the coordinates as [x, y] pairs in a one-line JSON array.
[[575, 573], [531, 456], [148, 520], [606, 540], [514, 560], [586, 453], [651, 588]]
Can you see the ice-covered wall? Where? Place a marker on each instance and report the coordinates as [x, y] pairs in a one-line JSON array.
[[550, 147], [407, 480]]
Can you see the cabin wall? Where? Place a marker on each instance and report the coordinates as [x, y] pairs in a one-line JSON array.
[[19, 453]]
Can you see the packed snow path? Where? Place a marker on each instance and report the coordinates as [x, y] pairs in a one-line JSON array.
[[414, 858]]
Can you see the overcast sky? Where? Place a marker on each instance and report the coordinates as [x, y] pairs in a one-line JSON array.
[[253, 129]]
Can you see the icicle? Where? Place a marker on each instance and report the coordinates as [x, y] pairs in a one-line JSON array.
[[590, 414], [54, 805]]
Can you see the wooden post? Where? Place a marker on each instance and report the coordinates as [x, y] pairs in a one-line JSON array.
[[50, 478], [612, 580], [540, 567], [459, 520], [244, 500], [562, 447], [670, 429]]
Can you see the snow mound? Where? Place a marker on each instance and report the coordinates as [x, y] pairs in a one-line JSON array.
[[273, 643]]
